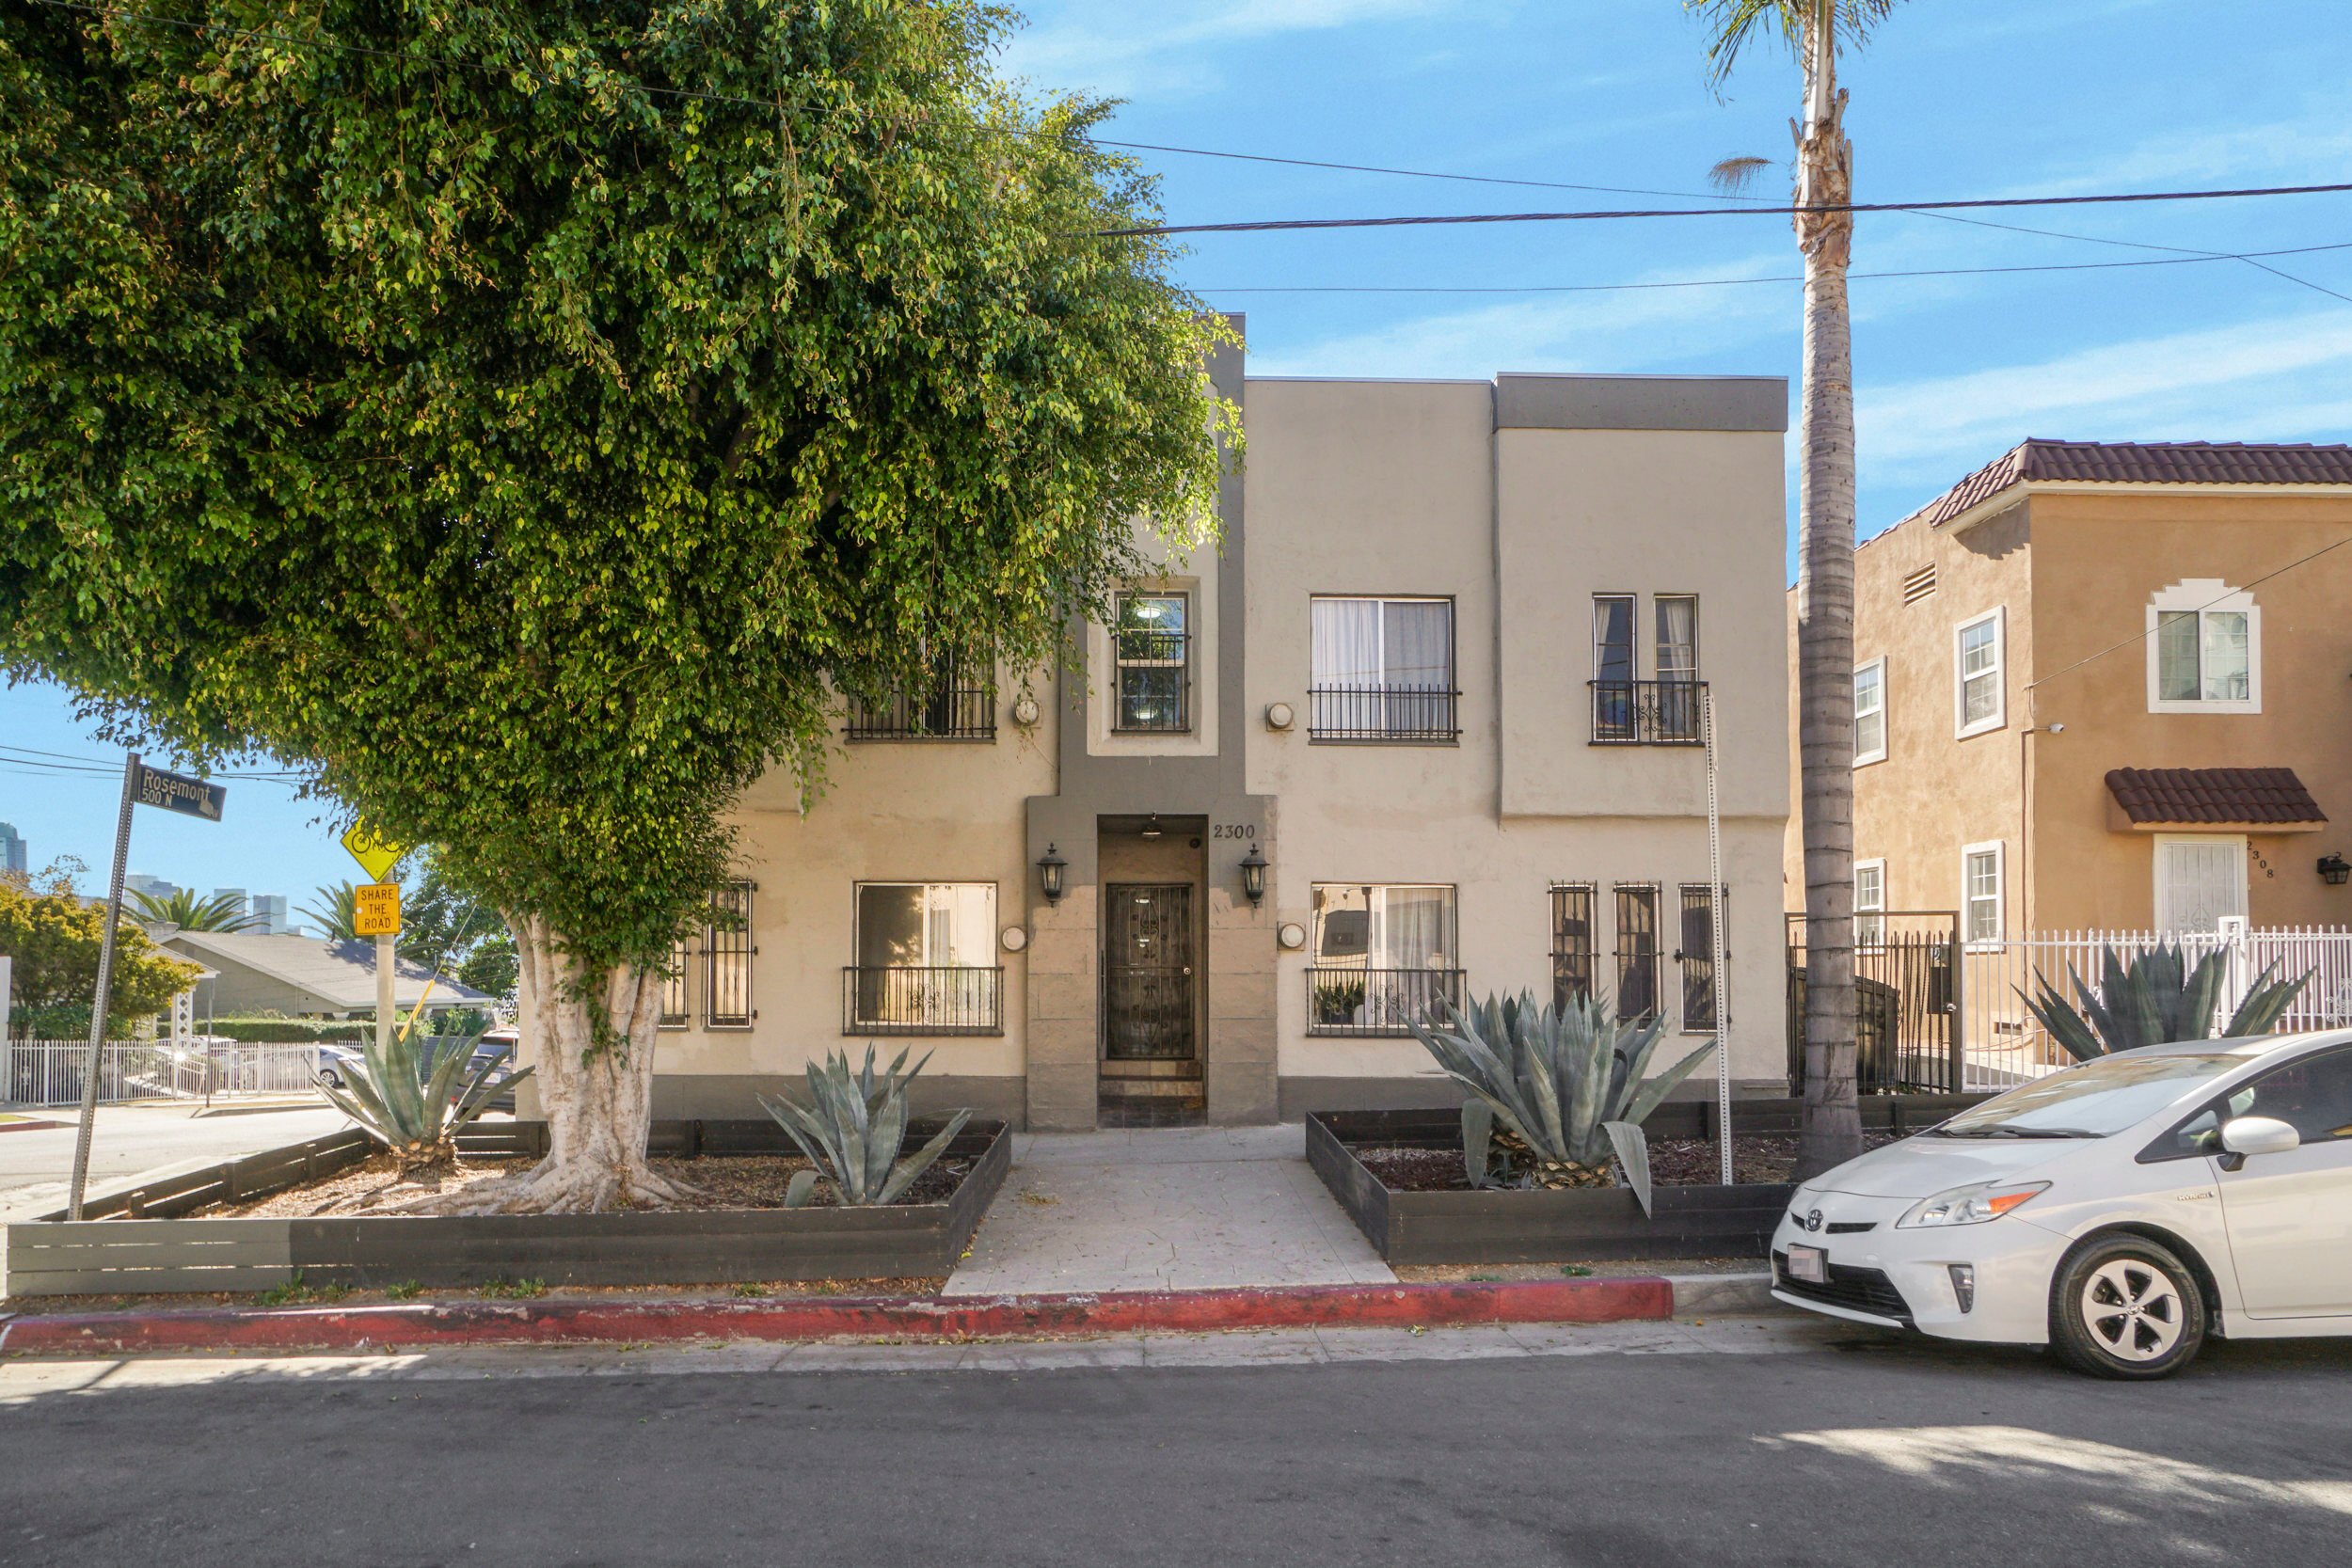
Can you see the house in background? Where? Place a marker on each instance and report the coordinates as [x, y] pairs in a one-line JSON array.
[[2108, 687], [306, 976], [1427, 724]]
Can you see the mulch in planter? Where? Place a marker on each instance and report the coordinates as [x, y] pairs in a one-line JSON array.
[[723, 1182], [1673, 1162]]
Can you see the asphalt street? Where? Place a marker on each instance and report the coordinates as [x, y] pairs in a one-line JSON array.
[[1628, 1447], [129, 1139]]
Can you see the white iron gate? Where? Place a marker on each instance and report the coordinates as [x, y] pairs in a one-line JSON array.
[[2005, 1045], [49, 1072]]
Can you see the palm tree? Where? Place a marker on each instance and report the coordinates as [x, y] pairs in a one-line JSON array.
[[1824, 179], [336, 912], [222, 911]]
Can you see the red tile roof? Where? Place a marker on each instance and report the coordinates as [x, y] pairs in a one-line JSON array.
[[2145, 462], [2210, 796]]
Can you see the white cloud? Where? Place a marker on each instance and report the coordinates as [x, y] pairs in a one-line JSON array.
[[2281, 378], [1175, 52]]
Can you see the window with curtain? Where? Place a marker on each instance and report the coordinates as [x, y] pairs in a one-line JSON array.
[[674, 1005], [1151, 644], [2205, 654], [1637, 951], [1678, 700], [727, 952], [1697, 959], [1381, 669], [1572, 942], [1613, 667], [1870, 712], [1384, 954], [926, 957]]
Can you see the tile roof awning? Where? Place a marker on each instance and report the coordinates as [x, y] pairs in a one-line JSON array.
[[2266, 799], [2143, 462]]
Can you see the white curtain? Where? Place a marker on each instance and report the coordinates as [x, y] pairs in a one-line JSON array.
[[1417, 643], [1412, 928], [1677, 638], [1346, 644], [1612, 638]]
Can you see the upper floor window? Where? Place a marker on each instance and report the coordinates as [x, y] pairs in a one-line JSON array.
[[925, 955], [1628, 710], [956, 700], [1381, 669], [1978, 702], [2204, 651], [1151, 644], [1383, 955], [1869, 713]]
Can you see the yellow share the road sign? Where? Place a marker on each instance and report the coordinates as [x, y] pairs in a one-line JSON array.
[[378, 910], [375, 856]]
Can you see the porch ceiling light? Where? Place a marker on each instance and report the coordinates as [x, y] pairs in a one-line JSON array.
[[1253, 873], [1050, 866], [1151, 828], [2334, 869]]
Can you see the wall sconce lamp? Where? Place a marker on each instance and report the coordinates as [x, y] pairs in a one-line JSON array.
[[1253, 874], [2334, 869], [1050, 866]]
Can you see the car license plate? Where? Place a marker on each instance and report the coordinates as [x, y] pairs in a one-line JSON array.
[[1809, 1264]]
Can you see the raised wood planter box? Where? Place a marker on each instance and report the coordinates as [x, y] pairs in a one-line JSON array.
[[1526, 1225], [150, 1248]]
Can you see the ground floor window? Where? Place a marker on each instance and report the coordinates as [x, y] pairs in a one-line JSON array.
[[925, 954], [674, 1014], [1870, 904], [1637, 950], [1697, 959], [1384, 954], [2199, 881], [1572, 942], [729, 949], [1980, 893]]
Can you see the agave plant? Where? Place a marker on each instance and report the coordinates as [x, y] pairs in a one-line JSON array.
[[2155, 1000], [1566, 1086], [851, 1128], [414, 1101]]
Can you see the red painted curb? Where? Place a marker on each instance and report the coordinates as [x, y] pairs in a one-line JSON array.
[[1543, 1301]]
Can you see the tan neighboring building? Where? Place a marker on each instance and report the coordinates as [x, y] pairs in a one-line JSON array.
[[1426, 726], [2105, 686]]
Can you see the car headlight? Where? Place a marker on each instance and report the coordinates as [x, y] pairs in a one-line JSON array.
[[1971, 1205]]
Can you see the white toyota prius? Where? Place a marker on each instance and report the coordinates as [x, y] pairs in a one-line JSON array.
[[2118, 1212]]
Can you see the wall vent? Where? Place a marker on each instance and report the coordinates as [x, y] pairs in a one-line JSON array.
[[1919, 584]]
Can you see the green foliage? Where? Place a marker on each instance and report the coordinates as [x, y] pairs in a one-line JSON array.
[[1568, 1084], [534, 455], [55, 939], [186, 909], [406, 1289], [414, 1097], [2155, 1000], [751, 1289], [514, 1290], [294, 1292], [1733, 25], [336, 912], [454, 933], [852, 1127], [288, 1031]]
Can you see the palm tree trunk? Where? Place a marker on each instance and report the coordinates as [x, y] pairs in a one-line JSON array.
[[1833, 1123]]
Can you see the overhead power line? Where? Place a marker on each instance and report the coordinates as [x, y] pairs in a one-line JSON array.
[[1442, 219]]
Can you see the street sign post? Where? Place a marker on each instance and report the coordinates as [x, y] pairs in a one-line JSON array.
[[378, 915], [142, 785]]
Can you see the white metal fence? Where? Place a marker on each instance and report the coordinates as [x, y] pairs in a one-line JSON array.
[[49, 1072], [2005, 1045]]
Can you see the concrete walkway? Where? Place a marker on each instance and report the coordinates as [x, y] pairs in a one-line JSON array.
[[1164, 1209]]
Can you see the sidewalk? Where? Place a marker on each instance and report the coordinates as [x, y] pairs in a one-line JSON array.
[[1164, 1209]]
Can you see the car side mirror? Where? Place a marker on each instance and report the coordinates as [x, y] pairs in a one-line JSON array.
[[2242, 1136]]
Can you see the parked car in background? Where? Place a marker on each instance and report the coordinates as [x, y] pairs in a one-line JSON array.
[[2119, 1212], [336, 1062]]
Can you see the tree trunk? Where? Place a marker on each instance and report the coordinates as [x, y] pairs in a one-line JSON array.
[[598, 1102], [1833, 1122]]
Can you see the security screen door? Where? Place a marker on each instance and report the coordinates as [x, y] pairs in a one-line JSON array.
[[1148, 962]]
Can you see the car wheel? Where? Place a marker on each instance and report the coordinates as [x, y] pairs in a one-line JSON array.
[[330, 1077], [2125, 1306]]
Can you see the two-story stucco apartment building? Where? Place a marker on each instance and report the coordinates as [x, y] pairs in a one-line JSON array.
[[1424, 725], [2106, 688]]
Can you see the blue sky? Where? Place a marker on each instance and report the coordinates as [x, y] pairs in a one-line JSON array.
[[1988, 98]]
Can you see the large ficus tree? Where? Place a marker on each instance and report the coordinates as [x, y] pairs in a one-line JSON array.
[[529, 419]]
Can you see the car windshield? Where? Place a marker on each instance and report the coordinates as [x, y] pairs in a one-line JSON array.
[[2092, 1101]]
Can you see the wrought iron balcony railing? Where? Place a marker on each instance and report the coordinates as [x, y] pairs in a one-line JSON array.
[[945, 712], [895, 1000], [1378, 1001], [1648, 713], [1383, 713]]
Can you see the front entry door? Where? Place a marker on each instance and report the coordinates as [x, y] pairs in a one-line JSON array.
[[1148, 962]]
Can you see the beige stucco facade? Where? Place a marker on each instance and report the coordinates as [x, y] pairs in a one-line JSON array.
[[2078, 572], [1511, 502]]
